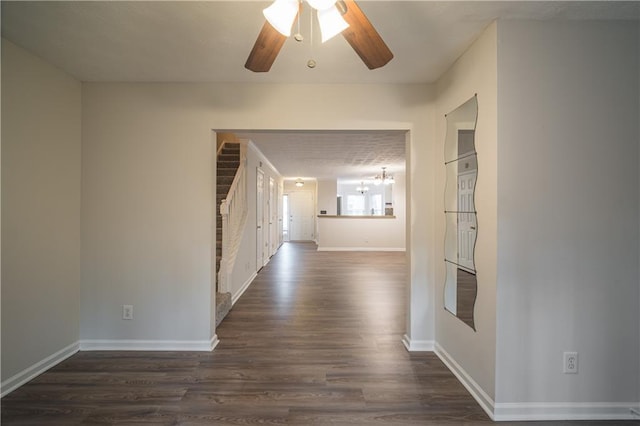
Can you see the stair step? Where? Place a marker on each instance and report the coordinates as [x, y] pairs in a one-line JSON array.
[[231, 148], [223, 306], [226, 172], [230, 164], [227, 165], [225, 180], [228, 157]]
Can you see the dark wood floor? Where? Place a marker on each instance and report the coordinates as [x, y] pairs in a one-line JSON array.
[[314, 340]]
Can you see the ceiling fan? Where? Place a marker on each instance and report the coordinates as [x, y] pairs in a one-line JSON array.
[[355, 28]]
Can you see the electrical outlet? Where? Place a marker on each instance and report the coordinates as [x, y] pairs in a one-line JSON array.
[[127, 312], [570, 364]]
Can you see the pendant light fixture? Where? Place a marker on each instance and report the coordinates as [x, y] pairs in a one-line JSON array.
[[384, 178], [362, 188]]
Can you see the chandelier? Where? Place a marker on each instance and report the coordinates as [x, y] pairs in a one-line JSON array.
[[362, 188], [383, 178]]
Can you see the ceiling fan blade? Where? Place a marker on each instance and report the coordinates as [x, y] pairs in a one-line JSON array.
[[364, 38], [265, 50]]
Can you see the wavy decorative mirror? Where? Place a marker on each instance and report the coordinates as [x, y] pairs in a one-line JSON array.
[[461, 163]]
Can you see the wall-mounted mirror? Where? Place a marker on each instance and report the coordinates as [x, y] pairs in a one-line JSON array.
[[461, 165]]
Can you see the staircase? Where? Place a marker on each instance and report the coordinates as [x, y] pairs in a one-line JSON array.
[[228, 162]]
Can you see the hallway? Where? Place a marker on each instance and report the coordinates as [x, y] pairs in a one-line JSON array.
[[316, 339]]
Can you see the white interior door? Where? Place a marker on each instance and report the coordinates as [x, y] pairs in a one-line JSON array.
[[260, 219], [273, 217], [466, 220], [301, 220]]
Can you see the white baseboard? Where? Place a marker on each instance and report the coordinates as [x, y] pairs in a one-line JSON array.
[[484, 400], [213, 342], [417, 345], [565, 411], [538, 411], [361, 248], [14, 382], [149, 345], [245, 286]]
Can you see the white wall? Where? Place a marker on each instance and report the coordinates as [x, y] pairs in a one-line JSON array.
[[568, 214], [40, 214], [360, 234], [148, 194], [472, 351], [327, 196]]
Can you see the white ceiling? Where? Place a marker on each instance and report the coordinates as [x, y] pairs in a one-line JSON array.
[[208, 41], [349, 155]]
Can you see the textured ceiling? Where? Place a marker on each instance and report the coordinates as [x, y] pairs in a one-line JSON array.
[[208, 41], [352, 155]]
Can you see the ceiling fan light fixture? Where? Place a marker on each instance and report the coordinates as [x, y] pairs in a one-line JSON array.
[[321, 4], [331, 23], [281, 15]]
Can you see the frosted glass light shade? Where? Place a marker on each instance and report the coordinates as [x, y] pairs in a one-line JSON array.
[[331, 23], [321, 4], [281, 15]]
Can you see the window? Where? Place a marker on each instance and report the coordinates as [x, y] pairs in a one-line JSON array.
[[375, 201], [355, 205]]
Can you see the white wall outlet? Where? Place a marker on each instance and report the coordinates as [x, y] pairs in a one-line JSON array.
[[127, 312], [570, 363]]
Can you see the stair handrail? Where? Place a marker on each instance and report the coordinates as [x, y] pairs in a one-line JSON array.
[[233, 210]]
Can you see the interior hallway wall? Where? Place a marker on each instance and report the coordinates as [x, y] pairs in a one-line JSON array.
[[472, 353], [246, 266], [568, 214], [148, 196], [148, 193], [41, 113]]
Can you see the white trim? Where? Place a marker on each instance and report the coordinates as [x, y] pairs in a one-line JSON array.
[[263, 158], [361, 249], [149, 345], [29, 373], [417, 345], [245, 286], [213, 342], [565, 411], [485, 401]]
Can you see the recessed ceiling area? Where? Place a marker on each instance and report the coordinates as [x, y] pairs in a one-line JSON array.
[[358, 155]]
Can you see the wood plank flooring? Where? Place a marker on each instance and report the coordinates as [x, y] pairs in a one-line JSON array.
[[316, 339]]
